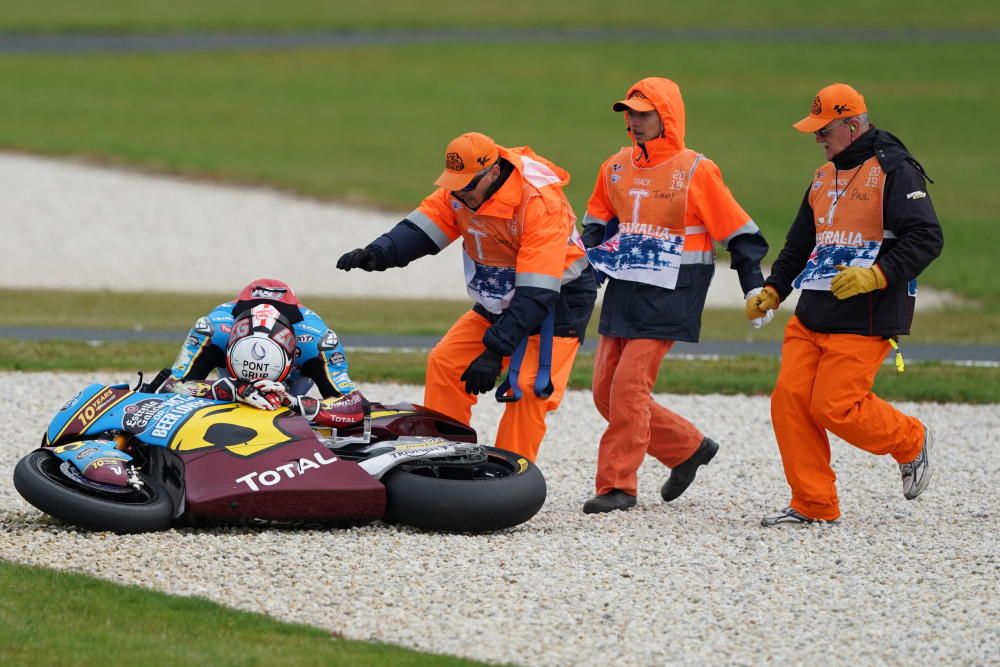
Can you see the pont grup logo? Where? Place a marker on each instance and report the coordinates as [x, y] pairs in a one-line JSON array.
[[454, 162], [257, 351]]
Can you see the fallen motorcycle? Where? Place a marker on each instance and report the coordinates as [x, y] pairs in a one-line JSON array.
[[128, 460]]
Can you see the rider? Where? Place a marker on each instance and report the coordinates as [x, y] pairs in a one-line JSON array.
[[268, 350]]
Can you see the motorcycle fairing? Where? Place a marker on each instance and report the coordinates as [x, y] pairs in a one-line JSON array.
[[298, 481], [85, 412], [98, 460], [240, 429]]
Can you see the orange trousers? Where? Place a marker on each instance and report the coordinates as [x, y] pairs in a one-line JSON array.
[[825, 384], [625, 371], [522, 426]]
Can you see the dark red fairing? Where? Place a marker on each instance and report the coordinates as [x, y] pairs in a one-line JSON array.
[[299, 481], [390, 421]]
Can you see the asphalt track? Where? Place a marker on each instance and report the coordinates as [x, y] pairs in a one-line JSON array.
[[178, 41], [976, 355]]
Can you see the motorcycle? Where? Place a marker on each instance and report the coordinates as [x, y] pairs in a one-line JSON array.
[[131, 460]]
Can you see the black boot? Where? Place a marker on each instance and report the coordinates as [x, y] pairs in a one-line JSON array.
[[682, 476], [608, 502]]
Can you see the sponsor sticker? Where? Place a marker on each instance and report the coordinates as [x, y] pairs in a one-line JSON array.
[[137, 416], [329, 340]]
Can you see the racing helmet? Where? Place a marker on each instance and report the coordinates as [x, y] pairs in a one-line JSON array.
[[261, 345], [269, 289]]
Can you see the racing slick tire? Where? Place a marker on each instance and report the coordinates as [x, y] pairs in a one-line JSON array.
[[503, 491], [39, 479]]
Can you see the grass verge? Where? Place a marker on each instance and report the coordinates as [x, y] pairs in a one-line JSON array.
[[131, 16], [98, 623], [728, 375], [367, 124], [177, 312]]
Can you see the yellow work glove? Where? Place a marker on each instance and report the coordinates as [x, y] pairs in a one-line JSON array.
[[854, 280], [759, 304]]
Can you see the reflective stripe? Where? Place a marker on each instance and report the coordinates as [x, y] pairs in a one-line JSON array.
[[888, 234], [699, 229], [538, 173], [429, 227], [698, 257], [694, 166], [748, 227], [588, 219], [537, 280], [574, 270]]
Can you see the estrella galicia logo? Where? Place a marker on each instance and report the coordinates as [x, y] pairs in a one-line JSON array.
[[137, 415], [337, 358]]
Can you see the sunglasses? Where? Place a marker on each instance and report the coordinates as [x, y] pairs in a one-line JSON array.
[[475, 180], [826, 131]]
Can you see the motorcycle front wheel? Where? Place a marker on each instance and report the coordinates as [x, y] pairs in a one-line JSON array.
[[40, 480], [502, 491]]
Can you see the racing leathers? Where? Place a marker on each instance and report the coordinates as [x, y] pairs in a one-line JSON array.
[[319, 359]]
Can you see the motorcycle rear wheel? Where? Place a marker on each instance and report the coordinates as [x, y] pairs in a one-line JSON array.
[[39, 480], [501, 492]]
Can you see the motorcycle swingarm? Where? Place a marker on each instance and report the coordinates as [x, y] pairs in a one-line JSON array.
[[413, 448]]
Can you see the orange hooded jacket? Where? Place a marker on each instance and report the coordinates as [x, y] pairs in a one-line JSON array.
[[710, 214]]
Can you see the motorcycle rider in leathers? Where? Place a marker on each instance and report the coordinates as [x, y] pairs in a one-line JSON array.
[[269, 350]]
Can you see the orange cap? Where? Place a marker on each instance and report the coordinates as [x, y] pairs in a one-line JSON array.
[[636, 102], [838, 100], [465, 157]]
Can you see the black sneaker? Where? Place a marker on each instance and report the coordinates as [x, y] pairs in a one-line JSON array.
[[917, 473], [609, 502], [682, 476], [790, 517]]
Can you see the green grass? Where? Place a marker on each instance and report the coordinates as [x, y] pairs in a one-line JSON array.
[[150, 15], [177, 312], [727, 375], [98, 623], [368, 125]]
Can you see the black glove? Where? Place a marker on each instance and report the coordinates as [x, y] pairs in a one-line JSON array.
[[360, 258], [481, 375]]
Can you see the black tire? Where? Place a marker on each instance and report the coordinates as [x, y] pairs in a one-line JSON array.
[[39, 481], [502, 492]]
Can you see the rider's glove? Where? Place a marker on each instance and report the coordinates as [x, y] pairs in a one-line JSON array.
[[274, 392], [854, 280], [481, 375], [761, 303], [247, 392], [361, 258]]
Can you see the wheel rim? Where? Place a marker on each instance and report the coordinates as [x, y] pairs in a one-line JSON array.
[[491, 467], [50, 468]]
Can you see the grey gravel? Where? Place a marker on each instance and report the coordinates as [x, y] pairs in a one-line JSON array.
[[693, 582]]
